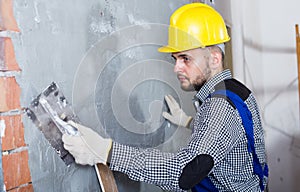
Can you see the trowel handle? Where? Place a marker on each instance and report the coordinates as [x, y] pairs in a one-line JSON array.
[[67, 128], [106, 178]]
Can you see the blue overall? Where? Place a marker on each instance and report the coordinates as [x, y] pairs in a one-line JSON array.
[[206, 185]]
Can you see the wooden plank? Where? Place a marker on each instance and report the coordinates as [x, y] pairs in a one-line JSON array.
[[106, 178], [298, 58]]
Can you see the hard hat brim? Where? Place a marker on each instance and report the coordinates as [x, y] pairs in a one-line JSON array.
[[167, 49]]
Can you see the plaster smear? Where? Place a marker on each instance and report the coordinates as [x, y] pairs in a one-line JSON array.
[[37, 18], [2, 128], [102, 20], [135, 21]]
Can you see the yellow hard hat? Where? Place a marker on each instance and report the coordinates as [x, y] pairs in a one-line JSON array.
[[195, 25]]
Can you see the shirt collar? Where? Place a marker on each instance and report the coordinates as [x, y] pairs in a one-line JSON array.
[[209, 86]]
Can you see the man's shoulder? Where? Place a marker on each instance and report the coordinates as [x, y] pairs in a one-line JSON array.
[[234, 86]]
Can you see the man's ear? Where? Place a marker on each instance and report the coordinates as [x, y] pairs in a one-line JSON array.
[[216, 58]]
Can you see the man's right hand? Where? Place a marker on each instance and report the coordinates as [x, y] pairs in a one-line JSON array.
[[176, 116], [88, 148]]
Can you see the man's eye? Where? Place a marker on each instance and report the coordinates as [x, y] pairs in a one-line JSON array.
[[174, 58], [186, 58]]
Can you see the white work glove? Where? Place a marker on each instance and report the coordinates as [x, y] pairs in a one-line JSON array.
[[176, 115], [89, 148]]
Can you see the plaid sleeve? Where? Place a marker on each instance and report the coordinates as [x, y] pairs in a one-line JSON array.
[[217, 129], [147, 165], [164, 169]]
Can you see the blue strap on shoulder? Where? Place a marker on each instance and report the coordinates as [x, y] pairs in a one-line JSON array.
[[206, 184], [248, 125]]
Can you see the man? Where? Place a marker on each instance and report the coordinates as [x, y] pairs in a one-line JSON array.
[[226, 151]]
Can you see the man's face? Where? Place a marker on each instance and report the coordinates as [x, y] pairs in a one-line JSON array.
[[192, 68]]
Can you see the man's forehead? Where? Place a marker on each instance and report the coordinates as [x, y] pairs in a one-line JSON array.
[[182, 53], [187, 53]]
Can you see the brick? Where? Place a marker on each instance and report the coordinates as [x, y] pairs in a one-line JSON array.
[[15, 169], [14, 132], [9, 94], [7, 19], [26, 188], [7, 55]]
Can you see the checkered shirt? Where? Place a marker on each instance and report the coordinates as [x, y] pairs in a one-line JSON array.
[[217, 131]]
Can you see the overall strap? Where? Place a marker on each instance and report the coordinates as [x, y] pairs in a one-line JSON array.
[[237, 101], [206, 185], [247, 122]]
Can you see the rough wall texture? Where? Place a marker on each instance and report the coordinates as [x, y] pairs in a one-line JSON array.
[[71, 42], [15, 172], [57, 35]]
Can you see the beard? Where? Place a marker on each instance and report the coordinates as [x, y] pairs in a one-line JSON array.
[[197, 86], [198, 82], [185, 84], [193, 86], [201, 80]]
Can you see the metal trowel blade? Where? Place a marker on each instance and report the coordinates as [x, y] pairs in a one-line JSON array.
[[44, 121]]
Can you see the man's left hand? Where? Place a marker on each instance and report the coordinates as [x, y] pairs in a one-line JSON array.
[[176, 115]]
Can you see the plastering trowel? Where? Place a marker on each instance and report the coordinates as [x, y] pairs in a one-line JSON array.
[[50, 111]]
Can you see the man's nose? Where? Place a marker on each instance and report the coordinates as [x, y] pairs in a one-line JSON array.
[[178, 66]]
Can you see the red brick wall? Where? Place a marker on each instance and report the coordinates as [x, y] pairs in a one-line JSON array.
[[15, 168]]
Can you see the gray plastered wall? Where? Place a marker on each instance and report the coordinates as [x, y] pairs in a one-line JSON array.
[[59, 41]]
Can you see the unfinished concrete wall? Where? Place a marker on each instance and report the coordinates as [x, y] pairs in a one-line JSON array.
[[103, 56]]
